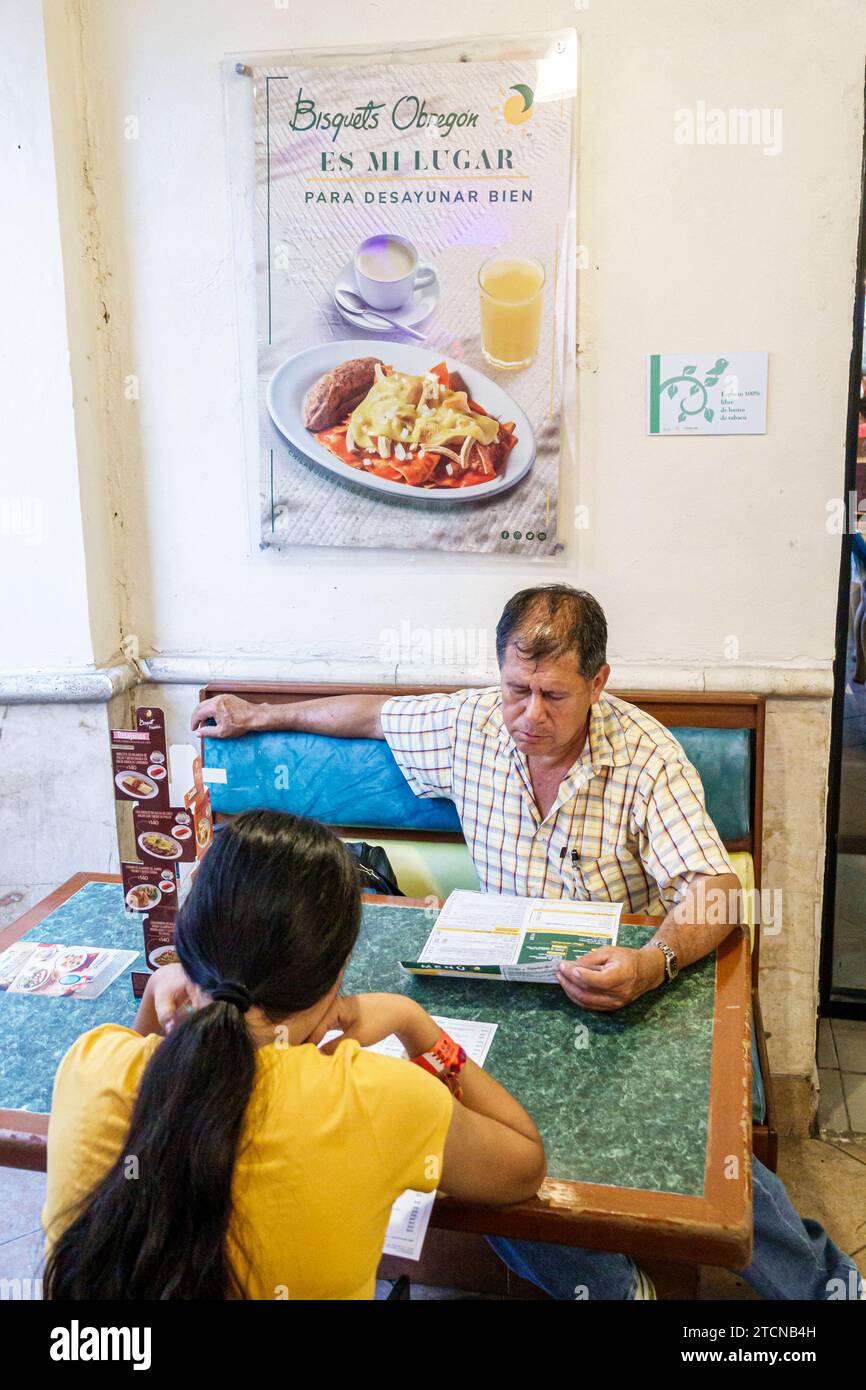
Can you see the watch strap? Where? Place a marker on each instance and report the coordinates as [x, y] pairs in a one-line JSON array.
[[671, 964]]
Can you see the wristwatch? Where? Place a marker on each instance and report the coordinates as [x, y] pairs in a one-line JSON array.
[[672, 965]]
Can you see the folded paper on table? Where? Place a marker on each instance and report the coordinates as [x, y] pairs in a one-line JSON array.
[[501, 937]]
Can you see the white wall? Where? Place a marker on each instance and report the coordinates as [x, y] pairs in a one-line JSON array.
[[691, 541], [44, 616]]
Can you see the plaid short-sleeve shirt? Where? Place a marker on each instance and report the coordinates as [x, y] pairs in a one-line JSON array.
[[629, 823]]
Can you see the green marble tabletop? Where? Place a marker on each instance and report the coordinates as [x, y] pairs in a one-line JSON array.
[[621, 1099]]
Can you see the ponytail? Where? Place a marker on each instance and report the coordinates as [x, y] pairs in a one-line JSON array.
[[156, 1228], [270, 922]]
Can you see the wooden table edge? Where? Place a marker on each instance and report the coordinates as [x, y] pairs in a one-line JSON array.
[[642, 1221], [39, 911]]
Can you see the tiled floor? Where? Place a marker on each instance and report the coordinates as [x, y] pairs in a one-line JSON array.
[[21, 1198], [842, 1076], [825, 1177]]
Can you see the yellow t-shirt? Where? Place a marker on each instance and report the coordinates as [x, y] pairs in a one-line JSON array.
[[334, 1140]]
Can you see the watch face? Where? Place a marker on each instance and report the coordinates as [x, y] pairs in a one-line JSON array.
[[671, 963]]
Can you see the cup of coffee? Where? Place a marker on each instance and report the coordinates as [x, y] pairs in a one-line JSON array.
[[387, 271]]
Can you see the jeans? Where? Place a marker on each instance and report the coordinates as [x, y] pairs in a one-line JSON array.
[[792, 1259]]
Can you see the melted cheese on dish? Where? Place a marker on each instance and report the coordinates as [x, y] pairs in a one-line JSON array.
[[416, 410]]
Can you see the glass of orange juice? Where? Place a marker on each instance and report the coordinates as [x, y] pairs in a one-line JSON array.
[[511, 301]]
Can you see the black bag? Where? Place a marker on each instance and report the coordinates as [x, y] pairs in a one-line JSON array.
[[374, 868]]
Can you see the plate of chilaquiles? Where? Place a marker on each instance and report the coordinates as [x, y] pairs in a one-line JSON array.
[[405, 424]]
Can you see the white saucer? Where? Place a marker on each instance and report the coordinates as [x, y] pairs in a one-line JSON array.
[[419, 306]]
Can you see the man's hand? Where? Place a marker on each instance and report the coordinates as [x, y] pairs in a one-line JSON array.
[[618, 974], [233, 716]]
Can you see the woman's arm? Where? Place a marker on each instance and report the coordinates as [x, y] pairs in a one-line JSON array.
[[164, 994], [493, 1151]]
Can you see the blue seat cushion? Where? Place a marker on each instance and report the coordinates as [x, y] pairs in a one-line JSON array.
[[723, 758], [355, 781], [342, 781]]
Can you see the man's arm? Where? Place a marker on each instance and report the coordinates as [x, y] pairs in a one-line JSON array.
[[342, 716], [705, 916], [612, 976]]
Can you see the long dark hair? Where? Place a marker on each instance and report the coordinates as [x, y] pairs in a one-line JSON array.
[[275, 908]]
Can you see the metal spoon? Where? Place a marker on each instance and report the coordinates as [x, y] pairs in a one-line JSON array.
[[356, 305]]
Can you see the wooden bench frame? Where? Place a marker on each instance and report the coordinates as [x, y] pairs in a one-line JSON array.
[[685, 709]]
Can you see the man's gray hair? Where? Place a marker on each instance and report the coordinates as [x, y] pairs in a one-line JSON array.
[[552, 620]]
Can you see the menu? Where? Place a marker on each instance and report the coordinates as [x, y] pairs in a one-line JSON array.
[[502, 937], [164, 834], [146, 886], [159, 938], [410, 1214], [48, 969], [139, 761], [170, 838]]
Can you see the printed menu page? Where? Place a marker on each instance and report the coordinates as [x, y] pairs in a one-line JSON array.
[[48, 969], [138, 760], [476, 929], [410, 1214], [146, 886], [164, 834], [500, 936], [165, 827], [159, 939]]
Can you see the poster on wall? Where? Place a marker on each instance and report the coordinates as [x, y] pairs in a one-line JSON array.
[[414, 243]]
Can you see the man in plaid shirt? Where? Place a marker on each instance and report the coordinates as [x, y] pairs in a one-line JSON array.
[[564, 791]]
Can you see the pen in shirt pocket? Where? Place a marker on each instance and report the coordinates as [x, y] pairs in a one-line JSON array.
[[574, 870], [574, 858]]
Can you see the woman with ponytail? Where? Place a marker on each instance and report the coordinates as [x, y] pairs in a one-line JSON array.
[[216, 1150]]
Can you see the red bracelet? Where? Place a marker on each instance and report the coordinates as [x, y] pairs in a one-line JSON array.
[[445, 1060]]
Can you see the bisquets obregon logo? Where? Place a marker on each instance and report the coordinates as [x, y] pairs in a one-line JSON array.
[[518, 108]]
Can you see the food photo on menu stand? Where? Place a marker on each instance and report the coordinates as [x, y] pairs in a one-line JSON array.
[[169, 840]]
